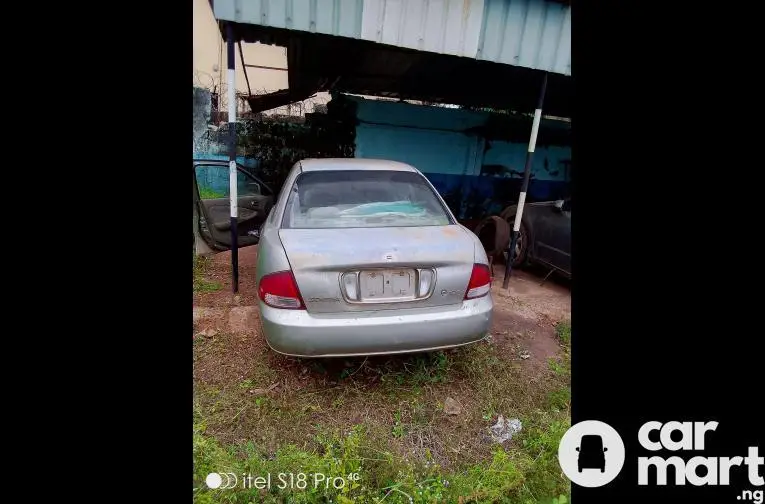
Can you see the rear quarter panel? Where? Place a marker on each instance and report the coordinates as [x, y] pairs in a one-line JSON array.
[[479, 253], [271, 256]]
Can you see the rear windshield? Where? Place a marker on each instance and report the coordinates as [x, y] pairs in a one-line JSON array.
[[362, 199]]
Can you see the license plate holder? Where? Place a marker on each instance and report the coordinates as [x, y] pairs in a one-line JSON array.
[[387, 285]]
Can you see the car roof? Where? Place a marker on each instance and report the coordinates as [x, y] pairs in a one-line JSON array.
[[333, 164]]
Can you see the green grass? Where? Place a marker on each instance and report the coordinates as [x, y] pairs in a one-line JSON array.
[[371, 473], [201, 284], [207, 193], [383, 419], [563, 331]]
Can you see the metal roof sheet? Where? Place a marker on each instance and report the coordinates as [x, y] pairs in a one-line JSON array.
[[528, 33]]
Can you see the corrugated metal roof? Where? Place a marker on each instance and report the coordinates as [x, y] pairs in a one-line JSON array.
[[529, 33], [441, 26], [330, 17]]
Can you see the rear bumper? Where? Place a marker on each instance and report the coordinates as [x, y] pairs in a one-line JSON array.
[[301, 334]]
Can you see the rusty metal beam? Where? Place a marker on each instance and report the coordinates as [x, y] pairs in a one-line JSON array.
[[244, 69], [261, 66]]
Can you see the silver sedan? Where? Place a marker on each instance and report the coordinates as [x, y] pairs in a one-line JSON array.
[[363, 257]]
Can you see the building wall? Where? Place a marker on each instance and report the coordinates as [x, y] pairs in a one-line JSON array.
[[210, 65], [431, 151], [475, 175], [202, 147]]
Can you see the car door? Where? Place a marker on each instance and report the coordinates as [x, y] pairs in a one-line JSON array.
[[211, 190], [552, 231]]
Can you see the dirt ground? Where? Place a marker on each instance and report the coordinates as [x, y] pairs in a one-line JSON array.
[[524, 316]]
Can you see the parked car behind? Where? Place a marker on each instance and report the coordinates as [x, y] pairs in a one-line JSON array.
[[363, 257], [545, 234]]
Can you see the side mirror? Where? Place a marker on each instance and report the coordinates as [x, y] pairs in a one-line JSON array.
[[577, 448], [605, 449], [559, 205]]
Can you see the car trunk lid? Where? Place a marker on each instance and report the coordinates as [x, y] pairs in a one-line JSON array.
[[363, 269]]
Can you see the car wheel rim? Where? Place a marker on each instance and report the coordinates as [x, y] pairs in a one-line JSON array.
[[518, 248]]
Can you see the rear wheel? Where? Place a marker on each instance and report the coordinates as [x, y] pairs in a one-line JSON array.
[[522, 244]]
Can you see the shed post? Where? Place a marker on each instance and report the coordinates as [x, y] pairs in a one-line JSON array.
[[525, 184], [230, 47]]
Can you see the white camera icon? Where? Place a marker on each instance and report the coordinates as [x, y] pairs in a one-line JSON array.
[[223, 481]]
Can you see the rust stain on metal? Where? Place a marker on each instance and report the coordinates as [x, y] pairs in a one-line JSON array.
[[466, 5]]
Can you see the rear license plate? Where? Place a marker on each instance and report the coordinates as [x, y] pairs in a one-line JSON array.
[[387, 284]]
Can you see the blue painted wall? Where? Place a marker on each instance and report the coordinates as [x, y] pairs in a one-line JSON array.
[[476, 176], [214, 178], [431, 151]]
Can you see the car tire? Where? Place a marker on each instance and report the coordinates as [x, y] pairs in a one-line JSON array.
[[522, 248], [494, 234]]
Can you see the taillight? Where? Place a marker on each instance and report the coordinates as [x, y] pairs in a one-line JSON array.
[[280, 291], [480, 282]]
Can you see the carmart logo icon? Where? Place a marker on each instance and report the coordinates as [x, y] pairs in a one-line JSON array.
[[591, 453]]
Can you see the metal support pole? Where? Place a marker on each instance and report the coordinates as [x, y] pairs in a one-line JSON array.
[[232, 156], [525, 184]]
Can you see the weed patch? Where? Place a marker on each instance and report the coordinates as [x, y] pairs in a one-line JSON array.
[[384, 420], [563, 332], [201, 284], [361, 471]]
